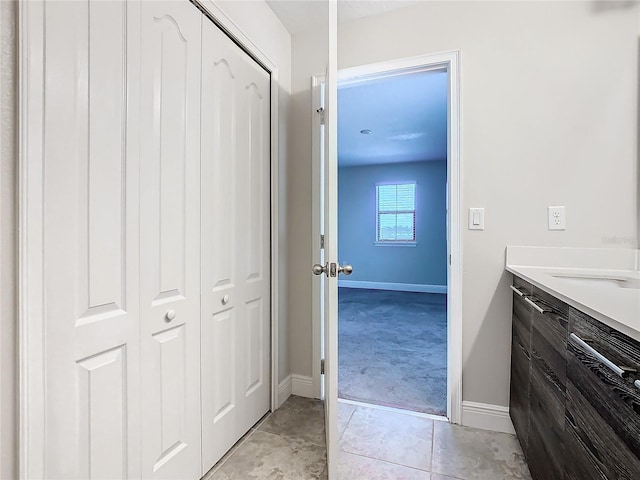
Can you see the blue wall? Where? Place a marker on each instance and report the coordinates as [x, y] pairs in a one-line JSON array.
[[425, 263]]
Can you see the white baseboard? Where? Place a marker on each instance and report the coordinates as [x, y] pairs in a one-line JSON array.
[[302, 386], [486, 417], [284, 391], [399, 287]]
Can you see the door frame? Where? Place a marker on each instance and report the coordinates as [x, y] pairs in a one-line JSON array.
[[451, 61], [31, 371], [317, 188]]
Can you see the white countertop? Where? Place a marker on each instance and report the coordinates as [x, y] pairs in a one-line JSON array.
[[566, 273]]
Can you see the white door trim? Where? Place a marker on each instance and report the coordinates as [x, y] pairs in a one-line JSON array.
[[30, 242], [316, 220], [450, 61], [235, 33]]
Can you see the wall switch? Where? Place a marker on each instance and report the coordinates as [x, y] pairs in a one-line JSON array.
[[557, 218], [476, 219]]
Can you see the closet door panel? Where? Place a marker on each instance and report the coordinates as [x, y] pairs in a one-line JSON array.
[[90, 244], [235, 248], [170, 240], [254, 204], [221, 330]]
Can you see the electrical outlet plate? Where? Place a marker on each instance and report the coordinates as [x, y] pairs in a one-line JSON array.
[[557, 218]]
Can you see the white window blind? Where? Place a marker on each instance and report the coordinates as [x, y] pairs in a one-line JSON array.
[[396, 212]]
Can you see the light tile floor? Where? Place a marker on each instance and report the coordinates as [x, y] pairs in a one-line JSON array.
[[374, 444], [380, 444]]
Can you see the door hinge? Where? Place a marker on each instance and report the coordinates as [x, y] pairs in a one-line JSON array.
[[322, 367], [321, 241], [321, 112]]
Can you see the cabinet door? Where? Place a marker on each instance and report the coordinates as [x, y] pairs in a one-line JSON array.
[[520, 363], [602, 424], [547, 395], [170, 239]]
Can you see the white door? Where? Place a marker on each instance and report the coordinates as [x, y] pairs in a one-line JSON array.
[[331, 246], [170, 239], [235, 243], [89, 254]]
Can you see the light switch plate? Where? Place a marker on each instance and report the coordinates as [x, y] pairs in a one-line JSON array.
[[476, 219], [557, 218]]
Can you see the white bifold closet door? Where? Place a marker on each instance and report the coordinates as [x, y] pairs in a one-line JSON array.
[[236, 308], [149, 235], [89, 259], [170, 240]]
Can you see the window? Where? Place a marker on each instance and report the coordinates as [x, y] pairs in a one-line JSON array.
[[396, 213]]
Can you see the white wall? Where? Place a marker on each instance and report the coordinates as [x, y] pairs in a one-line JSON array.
[[425, 263], [309, 56], [8, 372], [549, 112]]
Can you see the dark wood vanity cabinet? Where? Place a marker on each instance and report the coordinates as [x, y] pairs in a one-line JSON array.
[[549, 331], [521, 361], [602, 421], [574, 416]]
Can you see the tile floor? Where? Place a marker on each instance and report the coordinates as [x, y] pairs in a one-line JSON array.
[[378, 444], [288, 444], [374, 444]]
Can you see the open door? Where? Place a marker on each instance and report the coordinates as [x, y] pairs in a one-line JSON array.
[[331, 269]]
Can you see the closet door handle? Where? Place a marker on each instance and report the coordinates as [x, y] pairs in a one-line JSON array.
[[170, 315], [225, 299]]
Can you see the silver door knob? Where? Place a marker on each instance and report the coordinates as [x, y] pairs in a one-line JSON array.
[[318, 269], [346, 269], [170, 315]]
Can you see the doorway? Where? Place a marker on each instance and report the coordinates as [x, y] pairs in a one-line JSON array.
[[446, 65], [392, 174]]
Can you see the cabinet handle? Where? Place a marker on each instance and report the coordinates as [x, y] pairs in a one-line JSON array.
[[515, 289], [637, 383], [536, 306], [601, 358]]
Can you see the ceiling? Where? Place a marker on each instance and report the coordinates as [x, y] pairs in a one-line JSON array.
[[407, 115], [300, 15]]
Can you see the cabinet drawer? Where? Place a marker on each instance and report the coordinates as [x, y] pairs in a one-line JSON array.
[[522, 314], [519, 393], [603, 409], [592, 448], [549, 300], [520, 361], [547, 422], [549, 332]]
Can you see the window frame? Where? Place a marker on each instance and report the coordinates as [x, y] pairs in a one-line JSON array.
[[396, 243]]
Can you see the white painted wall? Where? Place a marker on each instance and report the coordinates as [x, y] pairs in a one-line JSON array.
[[309, 56], [549, 112], [550, 117], [8, 377]]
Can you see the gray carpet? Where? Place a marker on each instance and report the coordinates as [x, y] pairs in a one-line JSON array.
[[392, 349]]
